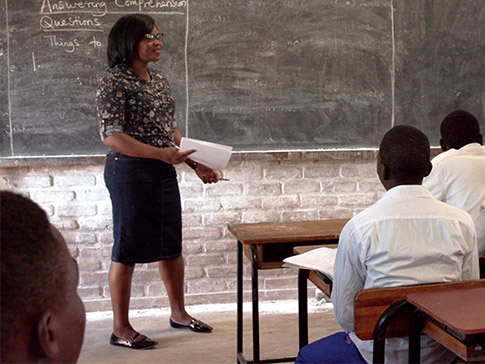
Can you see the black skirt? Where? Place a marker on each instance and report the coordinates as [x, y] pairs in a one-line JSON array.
[[147, 216]]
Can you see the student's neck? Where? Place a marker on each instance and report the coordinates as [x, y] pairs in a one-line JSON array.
[[141, 68], [394, 183]]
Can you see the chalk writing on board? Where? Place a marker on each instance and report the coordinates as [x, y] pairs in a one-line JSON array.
[[86, 16], [50, 7], [50, 93], [100, 8], [261, 74], [58, 42], [151, 4], [72, 23]]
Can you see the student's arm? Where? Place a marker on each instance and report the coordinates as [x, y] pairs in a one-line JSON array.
[[471, 268], [349, 277]]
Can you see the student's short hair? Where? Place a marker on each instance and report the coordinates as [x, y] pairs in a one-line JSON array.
[[124, 37], [34, 274], [460, 128], [406, 151]]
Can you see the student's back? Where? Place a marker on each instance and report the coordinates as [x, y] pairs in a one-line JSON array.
[[408, 229], [407, 237], [458, 175]]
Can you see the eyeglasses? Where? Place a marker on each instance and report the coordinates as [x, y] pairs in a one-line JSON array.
[[152, 37]]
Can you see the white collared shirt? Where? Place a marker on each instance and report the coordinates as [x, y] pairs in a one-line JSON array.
[[458, 178], [407, 237]]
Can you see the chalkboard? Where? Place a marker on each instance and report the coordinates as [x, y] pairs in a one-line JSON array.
[[254, 74], [440, 61]]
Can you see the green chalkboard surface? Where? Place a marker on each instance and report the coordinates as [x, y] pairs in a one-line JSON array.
[[257, 75]]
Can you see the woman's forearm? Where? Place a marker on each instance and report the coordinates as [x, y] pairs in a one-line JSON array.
[[177, 135], [129, 146], [125, 144]]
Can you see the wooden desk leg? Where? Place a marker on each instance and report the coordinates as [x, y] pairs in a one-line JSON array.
[[303, 306], [239, 298], [254, 279], [416, 326]]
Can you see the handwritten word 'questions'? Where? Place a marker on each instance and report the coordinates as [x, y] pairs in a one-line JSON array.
[[46, 22]]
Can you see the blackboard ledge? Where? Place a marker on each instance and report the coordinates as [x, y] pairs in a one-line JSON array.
[[277, 155]]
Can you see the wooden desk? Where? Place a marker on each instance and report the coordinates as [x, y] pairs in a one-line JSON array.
[[455, 319], [266, 245], [320, 280]]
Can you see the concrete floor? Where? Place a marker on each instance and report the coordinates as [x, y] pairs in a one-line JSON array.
[[278, 335]]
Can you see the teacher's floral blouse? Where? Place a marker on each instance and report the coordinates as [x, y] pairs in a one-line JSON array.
[[143, 110]]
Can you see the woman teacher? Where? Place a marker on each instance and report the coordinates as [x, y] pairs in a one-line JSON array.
[[136, 116]]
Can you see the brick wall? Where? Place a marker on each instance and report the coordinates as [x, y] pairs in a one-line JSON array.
[[264, 187]]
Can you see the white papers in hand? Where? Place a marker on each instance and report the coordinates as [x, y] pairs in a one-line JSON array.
[[320, 259], [212, 155]]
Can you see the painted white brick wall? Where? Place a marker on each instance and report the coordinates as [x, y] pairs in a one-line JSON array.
[[263, 188]]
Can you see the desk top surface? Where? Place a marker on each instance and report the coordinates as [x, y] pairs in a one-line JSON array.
[[281, 232], [462, 310], [306, 249]]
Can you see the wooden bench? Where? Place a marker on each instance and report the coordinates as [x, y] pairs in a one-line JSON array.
[[371, 306]]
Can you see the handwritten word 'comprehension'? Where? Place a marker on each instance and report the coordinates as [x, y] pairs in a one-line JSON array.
[[153, 4]]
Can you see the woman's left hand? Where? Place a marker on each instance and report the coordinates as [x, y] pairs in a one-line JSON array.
[[206, 174]]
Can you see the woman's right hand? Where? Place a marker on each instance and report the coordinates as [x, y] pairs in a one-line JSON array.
[[173, 156]]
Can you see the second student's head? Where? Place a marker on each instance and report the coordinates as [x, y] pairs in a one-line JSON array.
[[404, 157], [458, 129], [42, 316]]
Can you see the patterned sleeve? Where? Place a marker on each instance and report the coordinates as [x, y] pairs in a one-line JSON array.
[[110, 104], [171, 109]]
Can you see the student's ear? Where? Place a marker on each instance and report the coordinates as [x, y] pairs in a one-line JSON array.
[[384, 171], [47, 336], [430, 168], [443, 145]]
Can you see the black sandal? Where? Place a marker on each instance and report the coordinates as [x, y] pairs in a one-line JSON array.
[[194, 325], [146, 343]]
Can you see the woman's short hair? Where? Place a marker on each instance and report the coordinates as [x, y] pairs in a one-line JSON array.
[[124, 38]]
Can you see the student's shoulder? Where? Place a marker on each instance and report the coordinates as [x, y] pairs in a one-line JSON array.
[[454, 213], [445, 156], [362, 220]]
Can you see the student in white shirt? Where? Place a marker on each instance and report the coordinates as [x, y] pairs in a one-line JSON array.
[[407, 237], [458, 175]]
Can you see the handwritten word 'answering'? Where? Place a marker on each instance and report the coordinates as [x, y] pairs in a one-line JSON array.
[[98, 8]]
